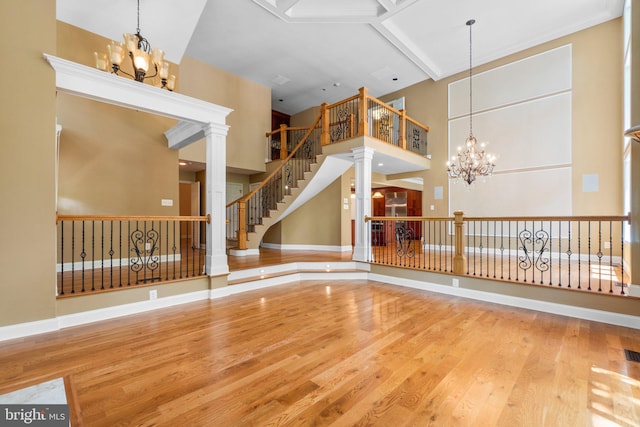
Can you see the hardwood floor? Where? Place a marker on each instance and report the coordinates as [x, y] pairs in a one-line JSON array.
[[338, 353], [276, 256]]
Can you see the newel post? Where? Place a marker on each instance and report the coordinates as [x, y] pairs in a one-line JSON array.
[[283, 142], [242, 225], [458, 258], [403, 129], [324, 136], [363, 124]]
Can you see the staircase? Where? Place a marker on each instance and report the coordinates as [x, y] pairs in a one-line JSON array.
[[305, 170]]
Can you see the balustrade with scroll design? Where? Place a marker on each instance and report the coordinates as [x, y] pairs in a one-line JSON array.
[[100, 253], [574, 252]]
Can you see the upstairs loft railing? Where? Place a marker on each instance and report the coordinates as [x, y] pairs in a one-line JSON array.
[[297, 147], [360, 115], [575, 252], [103, 253]]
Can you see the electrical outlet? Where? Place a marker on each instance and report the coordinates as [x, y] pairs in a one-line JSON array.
[[607, 245], [153, 294], [147, 246], [456, 283]]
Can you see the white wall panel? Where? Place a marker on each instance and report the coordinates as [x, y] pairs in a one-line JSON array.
[[527, 135], [533, 77], [530, 193]]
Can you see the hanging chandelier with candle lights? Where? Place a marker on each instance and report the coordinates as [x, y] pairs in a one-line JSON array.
[[142, 55], [471, 161]]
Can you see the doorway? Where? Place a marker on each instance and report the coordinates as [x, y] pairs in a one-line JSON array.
[[189, 206]]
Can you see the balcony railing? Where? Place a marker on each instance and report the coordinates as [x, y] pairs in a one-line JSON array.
[[360, 115], [101, 253], [574, 252]]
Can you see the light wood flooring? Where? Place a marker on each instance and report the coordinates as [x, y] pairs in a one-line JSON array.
[[341, 353]]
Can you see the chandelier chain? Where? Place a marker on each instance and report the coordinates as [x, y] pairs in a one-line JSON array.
[[470, 24], [138, 27]]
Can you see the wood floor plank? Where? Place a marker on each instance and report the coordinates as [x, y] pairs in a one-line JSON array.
[[319, 353]]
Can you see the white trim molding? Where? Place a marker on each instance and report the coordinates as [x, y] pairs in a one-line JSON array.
[[92, 83], [294, 247]]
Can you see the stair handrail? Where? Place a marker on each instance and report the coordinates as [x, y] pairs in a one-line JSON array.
[[242, 200]]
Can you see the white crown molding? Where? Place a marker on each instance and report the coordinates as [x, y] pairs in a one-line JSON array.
[[101, 86]]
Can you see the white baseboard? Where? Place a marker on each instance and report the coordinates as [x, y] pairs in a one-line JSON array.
[[28, 328], [84, 317], [75, 319], [526, 303], [322, 248], [244, 252]]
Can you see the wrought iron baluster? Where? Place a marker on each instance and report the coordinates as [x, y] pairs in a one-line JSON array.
[[569, 228], [481, 247], [101, 255], [83, 255], [475, 248], [494, 247], [120, 254], [579, 256], [612, 273], [439, 245], [61, 258], [144, 253], [468, 245], [184, 248], [193, 246], [111, 253], [517, 256], [129, 252], [559, 256], [93, 255], [622, 283], [599, 255], [73, 257], [509, 253], [550, 266], [173, 248], [589, 253]]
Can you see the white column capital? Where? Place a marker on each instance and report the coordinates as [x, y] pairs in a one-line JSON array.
[[215, 129], [363, 152]]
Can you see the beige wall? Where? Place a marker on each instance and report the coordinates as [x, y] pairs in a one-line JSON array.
[[306, 117], [250, 120], [239, 179], [27, 123], [114, 161], [596, 118], [305, 226]]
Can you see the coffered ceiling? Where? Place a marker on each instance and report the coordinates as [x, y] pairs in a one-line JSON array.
[[314, 51]]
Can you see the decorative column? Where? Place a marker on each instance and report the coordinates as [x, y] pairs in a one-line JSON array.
[[362, 157], [216, 143]]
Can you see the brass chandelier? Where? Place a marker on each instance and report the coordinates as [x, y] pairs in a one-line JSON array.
[[142, 56], [473, 161]]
